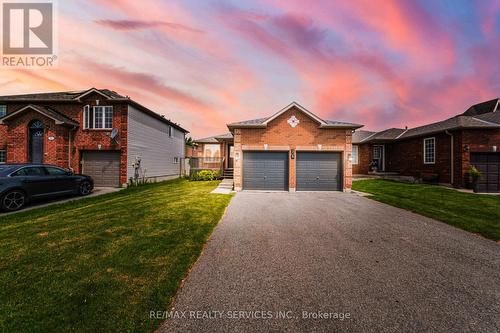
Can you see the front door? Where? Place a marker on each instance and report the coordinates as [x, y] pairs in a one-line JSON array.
[[378, 158], [36, 142], [230, 158]]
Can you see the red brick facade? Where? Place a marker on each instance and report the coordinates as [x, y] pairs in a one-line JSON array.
[[280, 136], [14, 135], [406, 156]]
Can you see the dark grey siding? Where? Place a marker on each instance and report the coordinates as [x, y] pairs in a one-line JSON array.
[[265, 171], [103, 167], [319, 171]]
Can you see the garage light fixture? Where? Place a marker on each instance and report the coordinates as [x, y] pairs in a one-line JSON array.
[[266, 146]]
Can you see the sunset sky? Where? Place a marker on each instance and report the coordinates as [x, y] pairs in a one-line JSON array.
[[206, 63]]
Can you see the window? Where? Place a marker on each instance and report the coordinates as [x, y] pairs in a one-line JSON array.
[[170, 131], [98, 117], [55, 171], [3, 110], [29, 171], [3, 156], [176, 160], [429, 151], [354, 154], [211, 151]]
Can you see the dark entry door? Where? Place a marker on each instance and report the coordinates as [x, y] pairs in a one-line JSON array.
[[489, 166], [319, 171], [378, 157], [265, 171], [36, 142]]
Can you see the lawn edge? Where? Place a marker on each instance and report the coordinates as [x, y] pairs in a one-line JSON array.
[[191, 267], [373, 197]]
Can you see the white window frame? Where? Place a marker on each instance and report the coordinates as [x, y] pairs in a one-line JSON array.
[[355, 154], [4, 151], [87, 117], [176, 160], [426, 161], [170, 131], [4, 108]]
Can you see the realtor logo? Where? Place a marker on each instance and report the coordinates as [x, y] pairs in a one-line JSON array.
[[28, 29]]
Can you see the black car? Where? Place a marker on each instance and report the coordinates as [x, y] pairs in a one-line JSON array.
[[22, 183]]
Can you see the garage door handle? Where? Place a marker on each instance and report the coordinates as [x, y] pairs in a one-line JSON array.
[[317, 178], [265, 177]]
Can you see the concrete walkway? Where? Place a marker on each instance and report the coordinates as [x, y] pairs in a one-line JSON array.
[[338, 262], [225, 187]]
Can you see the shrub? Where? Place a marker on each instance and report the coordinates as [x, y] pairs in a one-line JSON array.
[[205, 175], [474, 174]]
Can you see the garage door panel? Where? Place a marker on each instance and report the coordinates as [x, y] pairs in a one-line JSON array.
[[489, 166], [265, 171], [103, 167], [319, 171]]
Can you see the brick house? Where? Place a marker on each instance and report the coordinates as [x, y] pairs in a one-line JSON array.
[[442, 152], [292, 150], [97, 132]]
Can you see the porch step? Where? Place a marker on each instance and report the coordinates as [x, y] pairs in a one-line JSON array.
[[228, 174]]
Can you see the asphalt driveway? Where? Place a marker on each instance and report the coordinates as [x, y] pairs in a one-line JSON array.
[[344, 262]]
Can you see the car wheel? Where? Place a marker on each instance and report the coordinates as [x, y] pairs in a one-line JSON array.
[[85, 188], [13, 200]]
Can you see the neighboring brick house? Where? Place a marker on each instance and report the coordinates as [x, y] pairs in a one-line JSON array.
[[426, 152], [292, 150], [96, 132]]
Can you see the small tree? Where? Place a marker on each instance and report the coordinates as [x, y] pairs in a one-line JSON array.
[[474, 175], [189, 142]]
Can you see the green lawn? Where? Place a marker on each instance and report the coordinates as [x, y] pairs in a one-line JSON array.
[[472, 212], [102, 264]]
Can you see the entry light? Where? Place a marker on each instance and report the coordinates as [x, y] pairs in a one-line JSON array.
[[349, 158], [266, 146]]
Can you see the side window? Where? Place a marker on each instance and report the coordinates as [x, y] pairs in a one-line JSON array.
[[30, 171], [3, 110], [55, 171]]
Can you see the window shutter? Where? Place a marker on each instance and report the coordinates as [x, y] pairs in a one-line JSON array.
[[86, 116]]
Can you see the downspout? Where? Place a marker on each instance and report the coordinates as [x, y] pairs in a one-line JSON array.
[[69, 147], [451, 156]]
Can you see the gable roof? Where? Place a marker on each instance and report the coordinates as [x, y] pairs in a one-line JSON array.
[[59, 118], [484, 107], [360, 135], [62, 96], [263, 122], [75, 96], [215, 138], [487, 120]]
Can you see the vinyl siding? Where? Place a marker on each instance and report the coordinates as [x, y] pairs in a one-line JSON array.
[[148, 139]]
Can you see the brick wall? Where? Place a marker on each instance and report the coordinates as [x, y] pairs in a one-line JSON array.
[[56, 151], [279, 135], [473, 141], [407, 157], [364, 159]]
